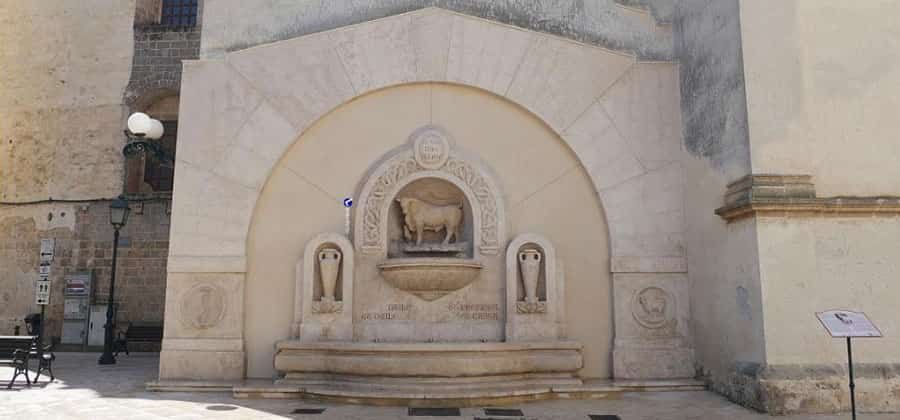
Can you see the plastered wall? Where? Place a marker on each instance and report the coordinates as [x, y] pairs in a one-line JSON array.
[[722, 258], [64, 70], [823, 87], [815, 264]]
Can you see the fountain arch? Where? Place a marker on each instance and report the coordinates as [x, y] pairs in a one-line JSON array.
[[247, 109]]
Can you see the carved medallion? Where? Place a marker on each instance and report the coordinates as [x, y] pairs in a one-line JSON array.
[[653, 308], [203, 306], [431, 148]]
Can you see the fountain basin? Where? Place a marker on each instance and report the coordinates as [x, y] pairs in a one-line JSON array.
[[430, 278], [298, 360]]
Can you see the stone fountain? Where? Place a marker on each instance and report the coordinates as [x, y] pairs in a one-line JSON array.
[[423, 301]]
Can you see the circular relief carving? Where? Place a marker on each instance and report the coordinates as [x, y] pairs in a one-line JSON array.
[[653, 307], [202, 306], [431, 148]]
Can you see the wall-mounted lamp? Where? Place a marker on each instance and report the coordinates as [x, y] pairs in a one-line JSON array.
[[142, 134]]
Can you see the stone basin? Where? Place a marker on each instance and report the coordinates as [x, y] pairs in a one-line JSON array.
[[299, 360], [430, 278]]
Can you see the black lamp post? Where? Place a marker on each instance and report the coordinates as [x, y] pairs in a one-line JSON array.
[[118, 216]]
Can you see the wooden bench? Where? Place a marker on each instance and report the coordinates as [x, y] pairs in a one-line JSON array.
[[15, 351], [138, 333]]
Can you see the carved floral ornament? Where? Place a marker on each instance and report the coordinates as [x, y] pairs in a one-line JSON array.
[[431, 155]]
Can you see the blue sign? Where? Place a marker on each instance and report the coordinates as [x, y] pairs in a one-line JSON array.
[[348, 202]]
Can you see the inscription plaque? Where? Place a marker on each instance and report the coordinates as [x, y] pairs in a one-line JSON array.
[[475, 311], [392, 311]]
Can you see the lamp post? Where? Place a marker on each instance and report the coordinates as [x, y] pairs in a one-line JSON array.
[[118, 216], [141, 133]]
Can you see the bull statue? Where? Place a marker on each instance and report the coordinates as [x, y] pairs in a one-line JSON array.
[[419, 216]]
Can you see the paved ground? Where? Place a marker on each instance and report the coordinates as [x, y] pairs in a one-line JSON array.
[[84, 390]]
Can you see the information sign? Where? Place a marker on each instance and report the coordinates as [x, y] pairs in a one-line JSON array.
[[47, 247], [42, 292], [842, 323]]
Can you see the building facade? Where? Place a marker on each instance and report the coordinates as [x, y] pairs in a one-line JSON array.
[[543, 192]]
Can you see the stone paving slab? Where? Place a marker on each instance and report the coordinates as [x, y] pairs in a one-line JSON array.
[[84, 390]]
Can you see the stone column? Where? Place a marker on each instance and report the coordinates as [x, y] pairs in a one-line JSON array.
[[653, 339], [203, 337]]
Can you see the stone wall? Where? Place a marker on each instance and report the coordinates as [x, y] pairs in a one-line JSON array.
[[784, 80], [813, 264], [723, 264], [823, 103], [158, 53], [231, 25], [65, 67], [83, 243], [147, 12]]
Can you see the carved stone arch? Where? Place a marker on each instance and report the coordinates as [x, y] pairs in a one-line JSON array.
[[407, 166]]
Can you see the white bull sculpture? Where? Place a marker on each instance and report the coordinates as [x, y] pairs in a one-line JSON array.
[[420, 216]]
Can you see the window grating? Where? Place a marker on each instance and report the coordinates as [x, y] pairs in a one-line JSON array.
[[179, 13]]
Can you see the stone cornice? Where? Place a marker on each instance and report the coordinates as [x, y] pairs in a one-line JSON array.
[[795, 195]]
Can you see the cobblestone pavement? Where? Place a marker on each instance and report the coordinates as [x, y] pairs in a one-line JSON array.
[[84, 390]]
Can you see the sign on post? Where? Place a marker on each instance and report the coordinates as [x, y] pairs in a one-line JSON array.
[[848, 324], [42, 291], [47, 248], [841, 323]]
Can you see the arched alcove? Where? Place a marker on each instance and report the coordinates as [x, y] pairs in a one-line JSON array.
[[302, 198]]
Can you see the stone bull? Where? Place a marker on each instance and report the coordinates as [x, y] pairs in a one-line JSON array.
[[420, 216]]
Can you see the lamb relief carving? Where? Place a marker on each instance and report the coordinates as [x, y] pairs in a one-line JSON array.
[[654, 309], [419, 216]]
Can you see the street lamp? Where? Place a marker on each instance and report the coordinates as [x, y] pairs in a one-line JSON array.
[[142, 134], [118, 216]]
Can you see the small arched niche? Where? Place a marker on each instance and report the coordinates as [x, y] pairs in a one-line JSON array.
[[438, 195], [433, 173]]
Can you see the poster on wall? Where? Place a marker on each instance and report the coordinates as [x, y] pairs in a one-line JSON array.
[[843, 323]]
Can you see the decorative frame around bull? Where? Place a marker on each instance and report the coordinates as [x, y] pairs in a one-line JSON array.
[[429, 154]]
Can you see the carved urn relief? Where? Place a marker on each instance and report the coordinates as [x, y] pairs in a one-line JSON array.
[[329, 260], [324, 298], [530, 267], [329, 264], [534, 289]]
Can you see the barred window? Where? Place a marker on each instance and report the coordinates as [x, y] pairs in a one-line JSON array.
[[179, 13]]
